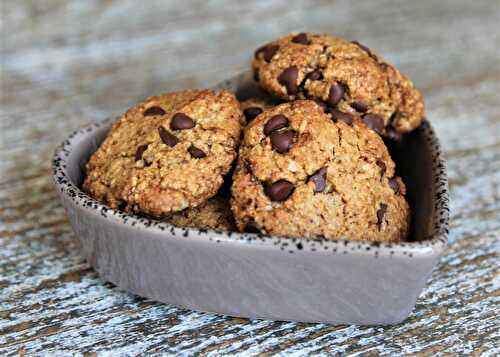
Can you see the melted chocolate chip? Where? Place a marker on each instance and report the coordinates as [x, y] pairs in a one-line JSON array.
[[153, 111], [251, 113], [268, 52], [335, 95], [196, 153], [374, 122], [394, 184], [315, 75], [167, 137], [282, 141], [288, 78], [381, 213], [276, 122], [301, 38], [359, 107], [279, 190], [319, 179], [140, 150], [382, 167], [181, 121], [338, 115]]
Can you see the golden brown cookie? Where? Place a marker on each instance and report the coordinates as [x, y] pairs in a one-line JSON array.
[[345, 75], [167, 153], [300, 174], [212, 214]]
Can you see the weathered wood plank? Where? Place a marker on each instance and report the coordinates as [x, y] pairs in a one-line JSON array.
[[64, 64]]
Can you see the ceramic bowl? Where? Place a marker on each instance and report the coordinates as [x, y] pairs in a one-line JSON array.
[[260, 276]]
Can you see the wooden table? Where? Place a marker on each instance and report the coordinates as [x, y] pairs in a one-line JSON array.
[[65, 64]]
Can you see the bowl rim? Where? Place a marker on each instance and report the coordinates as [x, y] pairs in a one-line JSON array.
[[434, 243]]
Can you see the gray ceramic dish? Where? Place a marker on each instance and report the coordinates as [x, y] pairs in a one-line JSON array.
[[259, 276]]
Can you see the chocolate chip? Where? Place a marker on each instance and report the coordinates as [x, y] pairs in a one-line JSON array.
[[301, 38], [394, 184], [276, 122], [181, 121], [196, 153], [282, 141], [140, 150], [251, 228], [279, 190], [153, 111], [381, 213], [360, 107], [393, 134], [335, 95], [382, 167], [252, 112], [288, 78], [375, 122], [315, 75], [338, 115], [167, 138], [268, 51], [319, 179]]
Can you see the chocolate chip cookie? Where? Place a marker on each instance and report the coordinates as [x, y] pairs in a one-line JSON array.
[[346, 76], [302, 172], [167, 153], [212, 214]]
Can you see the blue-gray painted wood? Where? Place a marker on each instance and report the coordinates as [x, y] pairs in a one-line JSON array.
[[65, 64]]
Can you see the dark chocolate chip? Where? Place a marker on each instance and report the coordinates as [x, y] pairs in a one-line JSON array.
[[167, 137], [394, 184], [319, 179], [382, 167], [288, 78], [301, 38], [381, 213], [315, 75], [335, 95], [375, 122], [338, 115], [196, 153], [268, 51], [153, 111], [251, 228], [279, 190], [181, 121], [282, 141], [252, 112], [276, 122], [140, 150], [360, 107], [393, 134]]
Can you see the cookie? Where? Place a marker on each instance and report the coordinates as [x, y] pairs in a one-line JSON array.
[[302, 174], [167, 153], [346, 76], [212, 214]]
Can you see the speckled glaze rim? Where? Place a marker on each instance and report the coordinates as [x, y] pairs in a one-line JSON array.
[[435, 243]]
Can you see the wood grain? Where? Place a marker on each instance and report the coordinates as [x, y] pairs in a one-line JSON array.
[[65, 64]]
